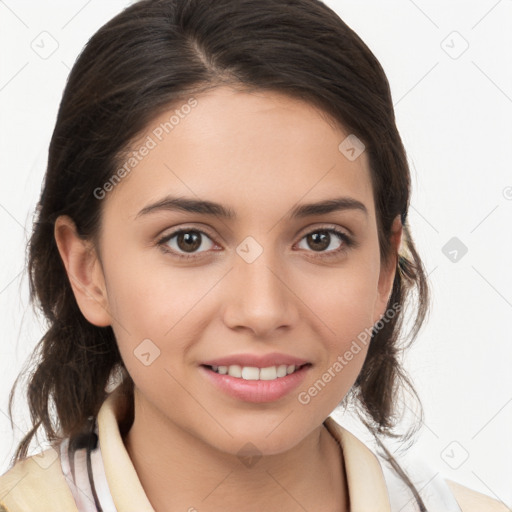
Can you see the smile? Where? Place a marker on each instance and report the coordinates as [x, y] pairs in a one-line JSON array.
[[255, 373], [254, 384]]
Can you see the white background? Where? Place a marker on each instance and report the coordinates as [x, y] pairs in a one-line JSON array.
[[454, 112]]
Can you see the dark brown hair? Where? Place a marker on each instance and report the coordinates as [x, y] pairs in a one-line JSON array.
[[157, 53]]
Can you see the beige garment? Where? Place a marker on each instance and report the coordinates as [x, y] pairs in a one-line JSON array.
[[38, 483], [362, 468]]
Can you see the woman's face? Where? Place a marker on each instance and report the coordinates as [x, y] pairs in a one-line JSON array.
[[268, 286]]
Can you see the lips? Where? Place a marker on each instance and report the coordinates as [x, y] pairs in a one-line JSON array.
[[256, 378]]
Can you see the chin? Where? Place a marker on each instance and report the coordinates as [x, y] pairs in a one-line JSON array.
[[262, 441]]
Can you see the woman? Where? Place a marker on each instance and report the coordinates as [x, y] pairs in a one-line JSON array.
[[223, 256]]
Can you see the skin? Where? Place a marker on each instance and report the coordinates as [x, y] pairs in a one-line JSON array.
[[260, 154]]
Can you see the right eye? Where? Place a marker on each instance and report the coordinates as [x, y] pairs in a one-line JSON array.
[[185, 240]]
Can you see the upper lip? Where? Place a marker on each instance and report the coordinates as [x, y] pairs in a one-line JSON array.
[[254, 360]]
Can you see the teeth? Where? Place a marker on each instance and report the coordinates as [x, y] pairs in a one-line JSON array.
[[235, 371], [250, 373], [281, 370], [253, 373], [269, 373]]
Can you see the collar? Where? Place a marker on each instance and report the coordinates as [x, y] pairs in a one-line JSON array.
[[362, 468], [363, 472]]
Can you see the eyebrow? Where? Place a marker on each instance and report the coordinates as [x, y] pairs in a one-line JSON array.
[[213, 209]]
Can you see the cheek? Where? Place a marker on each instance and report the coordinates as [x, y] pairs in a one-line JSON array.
[[156, 311], [343, 303], [344, 299], [149, 297]]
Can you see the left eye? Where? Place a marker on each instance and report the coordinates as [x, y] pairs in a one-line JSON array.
[[322, 239]]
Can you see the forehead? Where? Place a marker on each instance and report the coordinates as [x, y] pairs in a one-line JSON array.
[[249, 150]]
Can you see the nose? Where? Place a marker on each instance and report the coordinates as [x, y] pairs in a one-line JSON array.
[[259, 298]]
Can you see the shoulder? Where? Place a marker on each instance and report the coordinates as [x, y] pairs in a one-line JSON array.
[[473, 501], [36, 483]]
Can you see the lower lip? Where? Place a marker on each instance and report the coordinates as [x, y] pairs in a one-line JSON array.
[[257, 391]]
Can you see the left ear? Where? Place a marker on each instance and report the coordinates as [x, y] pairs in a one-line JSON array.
[[388, 270]]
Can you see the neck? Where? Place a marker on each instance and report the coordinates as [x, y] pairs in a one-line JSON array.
[[179, 470]]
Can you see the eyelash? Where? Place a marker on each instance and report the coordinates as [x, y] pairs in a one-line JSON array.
[[347, 242]]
